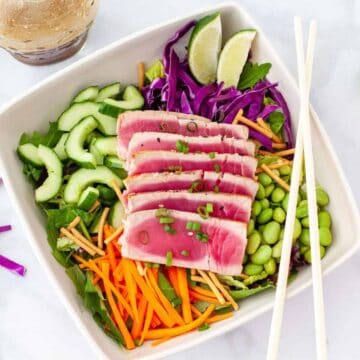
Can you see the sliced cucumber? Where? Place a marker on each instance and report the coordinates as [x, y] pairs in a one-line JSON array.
[[60, 147], [74, 145], [109, 91], [52, 184], [117, 215], [114, 162], [78, 111], [29, 154], [88, 94], [88, 198], [132, 100], [83, 178], [107, 145], [99, 158]]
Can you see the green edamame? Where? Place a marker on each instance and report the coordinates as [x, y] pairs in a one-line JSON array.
[[325, 236], [271, 232], [285, 170], [250, 227], [279, 215], [260, 193], [270, 267], [265, 216], [305, 237], [278, 195], [322, 198], [256, 208], [303, 249], [254, 241], [276, 250], [305, 222], [253, 269], [324, 219], [297, 229], [285, 201], [307, 255], [261, 228], [264, 179], [262, 255], [269, 189], [302, 211], [265, 203]]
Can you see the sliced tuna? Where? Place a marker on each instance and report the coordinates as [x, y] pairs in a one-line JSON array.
[[225, 206], [144, 238], [203, 181], [160, 141], [133, 122], [159, 161]]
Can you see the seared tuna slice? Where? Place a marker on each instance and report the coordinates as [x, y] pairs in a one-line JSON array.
[[133, 122], [159, 161], [224, 206], [221, 249], [159, 141]]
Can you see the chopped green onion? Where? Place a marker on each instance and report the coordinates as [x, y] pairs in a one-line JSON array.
[[162, 212], [185, 253], [176, 302], [202, 237], [151, 265], [193, 226], [216, 188], [166, 220], [169, 258], [203, 327], [217, 168], [182, 146], [191, 126], [197, 186], [212, 155], [168, 229], [201, 210], [209, 208]]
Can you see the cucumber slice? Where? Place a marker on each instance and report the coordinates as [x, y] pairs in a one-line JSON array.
[[74, 145], [28, 153], [88, 94], [132, 100], [60, 147], [88, 198], [52, 184], [99, 158], [117, 215], [78, 111], [108, 91], [114, 162], [107, 145], [83, 178]]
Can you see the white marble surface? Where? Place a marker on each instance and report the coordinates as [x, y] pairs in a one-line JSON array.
[[33, 322]]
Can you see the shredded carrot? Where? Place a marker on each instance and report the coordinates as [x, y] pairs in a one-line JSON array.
[[155, 322], [103, 217], [96, 279], [163, 299], [141, 75], [140, 268], [138, 325], [149, 295], [279, 146], [195, 310], [149, 315], [112, 258], [160, 341], [203, 291], [160, 333], [211, 300], [172, 274], [108, 230], [118, 273], [79, 259], [129, 342], [275, 177], [216, 318], [184, 294], [114, 235], [131, 287]]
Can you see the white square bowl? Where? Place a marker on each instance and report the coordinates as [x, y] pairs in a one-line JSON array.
[[44, 102]]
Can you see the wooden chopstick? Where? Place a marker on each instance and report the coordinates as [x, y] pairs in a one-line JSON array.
[[303, 142]]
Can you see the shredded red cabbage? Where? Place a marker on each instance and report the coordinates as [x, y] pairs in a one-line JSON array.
[[5, 228], [179, 91], [12, 266]]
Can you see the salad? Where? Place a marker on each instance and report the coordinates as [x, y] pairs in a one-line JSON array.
[[166, 201]]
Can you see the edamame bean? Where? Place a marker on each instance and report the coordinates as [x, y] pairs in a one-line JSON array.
[[303, 249], [256, 208], [276, 250], [265, 203], [285, 170], [279, 215], [322, 198], [297, 229], [285, 201], [264, 179], [269, 189], [265, 216], [260, 193], [271, 232], [270, 267], [324, 219], [305, 222], [325, 236], [282, 231], [305, 237], [302, 211], [245, 259], [262, 255], [303, 203], [253, 269], [278, 195], [254, 241], [307, 255], [286, 178], [261, 228], [250, 227]]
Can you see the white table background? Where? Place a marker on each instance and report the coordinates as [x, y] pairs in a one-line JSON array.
[[34, 323]]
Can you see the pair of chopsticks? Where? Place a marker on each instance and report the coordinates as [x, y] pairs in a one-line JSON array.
[[303, 145]]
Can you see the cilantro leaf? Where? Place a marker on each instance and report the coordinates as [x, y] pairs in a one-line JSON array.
[[252, 74], [49, 139], [276, 121]]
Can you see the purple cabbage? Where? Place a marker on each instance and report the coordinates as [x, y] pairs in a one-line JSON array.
[[5, 228], [12, 266]]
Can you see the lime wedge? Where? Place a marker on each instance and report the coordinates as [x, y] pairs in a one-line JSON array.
[[204, 48], [233, 57]]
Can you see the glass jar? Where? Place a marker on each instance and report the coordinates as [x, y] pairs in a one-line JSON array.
[[41, 32]]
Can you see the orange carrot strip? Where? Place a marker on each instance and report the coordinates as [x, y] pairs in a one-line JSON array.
[[108, 230], [160, 341], [172, 274], [195, 310], [184, 294], [149, 295], [131, 288], [160, 333], [79, 259], [141, 75], [118, 273], [112, 258], [149, 315], [115, 235], [164, 301], [96, 279], [203, 291], [129, 342], [138, 325], [155, 321], [216, 318], [211, 300]]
